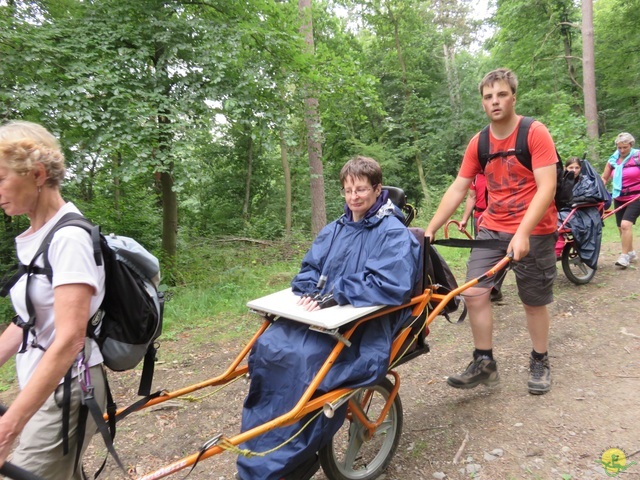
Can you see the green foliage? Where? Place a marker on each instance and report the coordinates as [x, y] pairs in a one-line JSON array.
[[8, 375], [567, 129], [218, 278], [210, 94], [617, 58]]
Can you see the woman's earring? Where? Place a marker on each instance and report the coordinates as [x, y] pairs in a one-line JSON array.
[[39, 190]]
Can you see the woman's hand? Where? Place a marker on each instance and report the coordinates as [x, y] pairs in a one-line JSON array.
[[9, 431], [308, 303]]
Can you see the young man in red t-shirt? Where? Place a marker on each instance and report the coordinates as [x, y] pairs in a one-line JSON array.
[[520, 211]]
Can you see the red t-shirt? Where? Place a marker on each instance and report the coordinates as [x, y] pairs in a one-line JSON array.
[[510, 184]]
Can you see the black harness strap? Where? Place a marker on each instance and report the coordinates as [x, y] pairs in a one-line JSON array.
[[13, 471], [135, 406], [107, 433], [468, 243]]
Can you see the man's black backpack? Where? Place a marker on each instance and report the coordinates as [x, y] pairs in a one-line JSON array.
[[566, 180], [130, 316]]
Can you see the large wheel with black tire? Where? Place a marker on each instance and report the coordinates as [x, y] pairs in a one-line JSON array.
[[573, 266], [352, 455]]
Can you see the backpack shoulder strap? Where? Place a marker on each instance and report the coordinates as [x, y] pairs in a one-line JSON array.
[[20, 269], [28, 325], [11, 278], [522, 142], [483, 147], [71, 220], [521, 151]]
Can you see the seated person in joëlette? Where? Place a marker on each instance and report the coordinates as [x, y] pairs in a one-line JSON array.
[[366, 257]]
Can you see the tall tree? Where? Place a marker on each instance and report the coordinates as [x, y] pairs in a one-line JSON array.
[[589, 76], [312, 122]]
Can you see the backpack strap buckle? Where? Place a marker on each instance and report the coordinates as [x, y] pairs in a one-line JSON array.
[[87, 393], [84, 378]]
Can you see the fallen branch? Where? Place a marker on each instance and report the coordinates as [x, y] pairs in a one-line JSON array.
[[624, 332], [461, 449], [242, 239], [616, 376]]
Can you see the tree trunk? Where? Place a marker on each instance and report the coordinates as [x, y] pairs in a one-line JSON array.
[[116, 184], [312, 122], [589, 77], [288, 220], [453, 82], [247, 183], [407, 93], [169, 215], [169, 196]]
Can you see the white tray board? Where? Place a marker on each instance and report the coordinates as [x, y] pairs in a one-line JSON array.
[[284, 304]]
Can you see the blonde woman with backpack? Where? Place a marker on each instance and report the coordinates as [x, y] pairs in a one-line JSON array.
[[31, 170]]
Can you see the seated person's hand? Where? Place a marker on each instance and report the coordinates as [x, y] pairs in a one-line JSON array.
[[308, 303], [311, 302]]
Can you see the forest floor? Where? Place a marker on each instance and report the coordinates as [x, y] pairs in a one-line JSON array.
[[497, 433]]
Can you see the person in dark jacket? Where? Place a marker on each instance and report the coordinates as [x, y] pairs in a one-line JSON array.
[[366, 257], [584, 222]]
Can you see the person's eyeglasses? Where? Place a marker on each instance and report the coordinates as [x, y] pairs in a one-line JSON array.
[[360, 191]]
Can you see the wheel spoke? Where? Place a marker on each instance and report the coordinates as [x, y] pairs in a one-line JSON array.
[[583, 268], [574, 268], [383, 428], [580, 265], [353, 449]]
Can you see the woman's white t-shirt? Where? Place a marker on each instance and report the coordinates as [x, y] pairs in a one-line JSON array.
[[72, 261]]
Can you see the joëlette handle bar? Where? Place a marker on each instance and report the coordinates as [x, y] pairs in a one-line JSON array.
[[458, 225], [607, 213], [445, 299], [12, 471]]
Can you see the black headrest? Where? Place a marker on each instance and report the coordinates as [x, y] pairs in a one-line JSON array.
[[397, 196]]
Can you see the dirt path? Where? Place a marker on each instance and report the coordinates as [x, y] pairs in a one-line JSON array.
[[593, 406]]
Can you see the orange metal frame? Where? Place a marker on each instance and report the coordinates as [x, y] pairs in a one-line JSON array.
[[307, 404]]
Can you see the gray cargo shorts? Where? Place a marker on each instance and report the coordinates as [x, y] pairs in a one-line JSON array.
[[535, 273]]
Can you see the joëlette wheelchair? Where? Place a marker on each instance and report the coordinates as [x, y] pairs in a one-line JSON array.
[[575, 269], [364, 446]]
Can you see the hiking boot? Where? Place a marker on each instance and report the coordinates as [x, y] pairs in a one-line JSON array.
[[623, 260], [632, 256], [495, 295], [539, 376], [480, 370]]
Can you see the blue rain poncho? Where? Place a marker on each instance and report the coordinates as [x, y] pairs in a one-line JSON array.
[[371, 262]]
